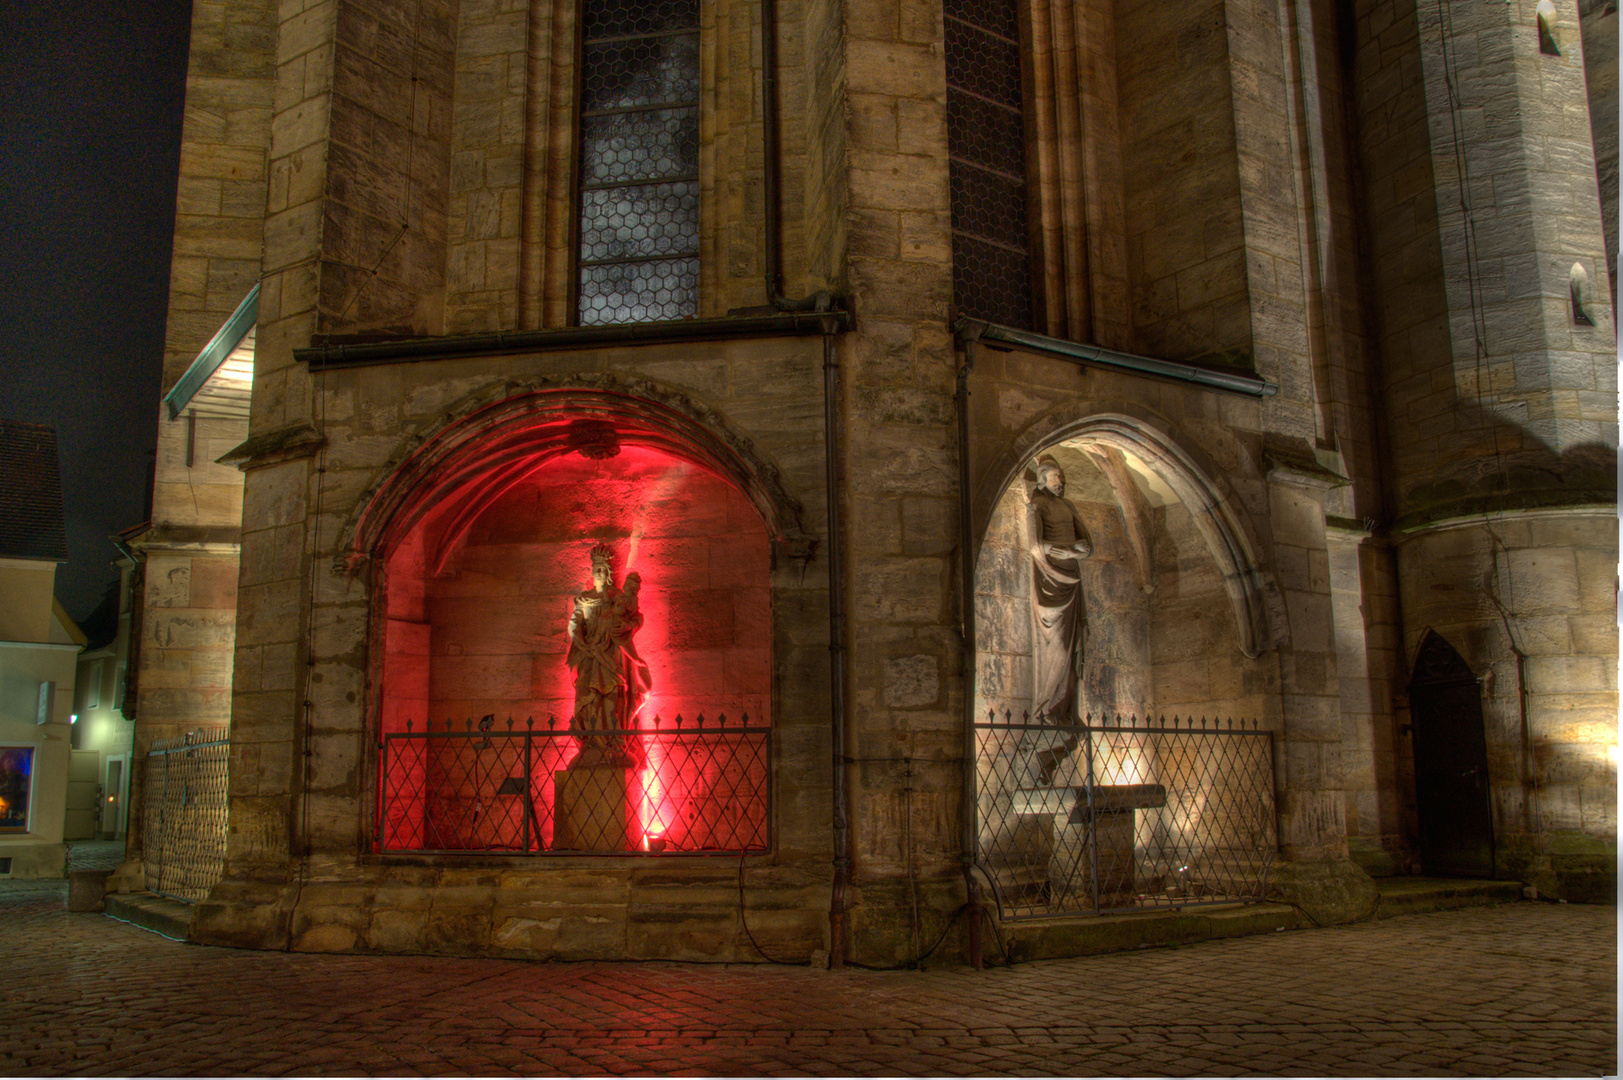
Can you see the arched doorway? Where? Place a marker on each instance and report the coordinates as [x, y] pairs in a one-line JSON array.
[[1450, 763]]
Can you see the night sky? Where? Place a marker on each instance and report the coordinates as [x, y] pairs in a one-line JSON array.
[[90, 104]]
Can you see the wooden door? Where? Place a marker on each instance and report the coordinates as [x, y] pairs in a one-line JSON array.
[[1450, 764]]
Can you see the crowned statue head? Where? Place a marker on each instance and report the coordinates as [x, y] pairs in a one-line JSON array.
[[602, 566]]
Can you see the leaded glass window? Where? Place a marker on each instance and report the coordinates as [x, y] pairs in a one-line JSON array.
[[638, 256], [991, 258]]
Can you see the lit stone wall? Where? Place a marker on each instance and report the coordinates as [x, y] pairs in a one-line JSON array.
[[1420, 381], [1542, 585], [187, 623], [499, 601], [771, 395]]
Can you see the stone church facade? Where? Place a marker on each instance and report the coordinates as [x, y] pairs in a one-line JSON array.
[[782, 302]]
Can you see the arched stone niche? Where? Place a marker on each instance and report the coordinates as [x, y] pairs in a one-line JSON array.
[[1178, 607], [480, 539]]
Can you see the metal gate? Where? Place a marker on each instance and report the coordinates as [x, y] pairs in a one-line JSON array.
[[183, 815], [1124, 814]]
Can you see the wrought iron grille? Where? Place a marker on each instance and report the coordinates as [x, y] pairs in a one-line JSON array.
[[639, 162], [1125, 814], [677, 787], [991, 260], [183, 811]]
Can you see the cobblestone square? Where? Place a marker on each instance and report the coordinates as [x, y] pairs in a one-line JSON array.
[[1512, 990]]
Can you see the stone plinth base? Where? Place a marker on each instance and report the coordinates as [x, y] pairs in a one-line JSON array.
[[593, 809], [1328, 891]]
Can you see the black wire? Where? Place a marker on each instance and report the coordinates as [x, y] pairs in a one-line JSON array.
[[997, 937], [744, 922], [945, 930]]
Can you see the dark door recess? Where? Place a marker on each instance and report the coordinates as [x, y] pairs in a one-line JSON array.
[[1450, 764]]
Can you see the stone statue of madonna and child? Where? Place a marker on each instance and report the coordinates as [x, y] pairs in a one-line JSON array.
[[611, 679]]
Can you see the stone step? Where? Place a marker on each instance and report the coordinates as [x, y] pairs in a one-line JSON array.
[[1414, 895], [161, 915]]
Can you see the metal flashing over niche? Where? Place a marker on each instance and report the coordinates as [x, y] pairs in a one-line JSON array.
[[1235, 382], [219, 382]]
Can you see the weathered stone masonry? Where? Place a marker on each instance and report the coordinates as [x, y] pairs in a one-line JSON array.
[[1369, 215]]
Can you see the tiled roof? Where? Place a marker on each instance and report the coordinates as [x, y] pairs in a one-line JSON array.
[[31, 524]]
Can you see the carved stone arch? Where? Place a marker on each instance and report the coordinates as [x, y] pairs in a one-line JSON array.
[[1259, 609], [1437, 661], [494, 437]]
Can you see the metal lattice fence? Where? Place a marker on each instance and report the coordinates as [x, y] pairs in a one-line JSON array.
[[678, 787], [1123, 815], [183, 815]]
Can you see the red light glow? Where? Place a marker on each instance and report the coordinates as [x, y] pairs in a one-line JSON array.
[[477, 595]]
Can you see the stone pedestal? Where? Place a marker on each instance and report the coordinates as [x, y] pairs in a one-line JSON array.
[[1114, 832], [594, 809], [86, 888], [1113, 820]]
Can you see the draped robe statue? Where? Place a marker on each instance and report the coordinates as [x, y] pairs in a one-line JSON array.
[[1058, 541], [611, 680]]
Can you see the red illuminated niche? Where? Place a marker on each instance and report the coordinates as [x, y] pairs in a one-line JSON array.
[[476, 596]]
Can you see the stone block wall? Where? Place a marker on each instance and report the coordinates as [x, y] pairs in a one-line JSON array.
[[1236, 183], [1198, 666], [374, 417], [1515, 378], [1185, 238], [1371, 669], [1538, 626], [1599, 30], [903, 650], [220, 199], [185, 663], [490, 144]]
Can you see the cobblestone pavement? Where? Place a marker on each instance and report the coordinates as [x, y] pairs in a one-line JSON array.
[[1519, 989]]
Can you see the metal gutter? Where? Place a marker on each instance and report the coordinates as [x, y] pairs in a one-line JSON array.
[[835, 480], [776, 324], [137, 589], [1233, 382], [226, 338]]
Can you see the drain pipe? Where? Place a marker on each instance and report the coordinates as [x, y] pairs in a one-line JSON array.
[[772, 211], [132, 658], [836, 640], [966, 614]]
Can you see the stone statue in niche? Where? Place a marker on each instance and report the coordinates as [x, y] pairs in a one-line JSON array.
[[1058, 541], [611, 680]]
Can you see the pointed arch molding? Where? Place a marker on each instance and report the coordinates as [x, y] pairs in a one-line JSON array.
[[490, 440], [1259, 609]]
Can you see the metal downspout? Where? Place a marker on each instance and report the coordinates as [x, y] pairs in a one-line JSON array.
[[836, 643], [132, 660], [966, 613], [772, 212]]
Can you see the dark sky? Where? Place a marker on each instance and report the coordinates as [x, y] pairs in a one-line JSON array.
[[90, 103]]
